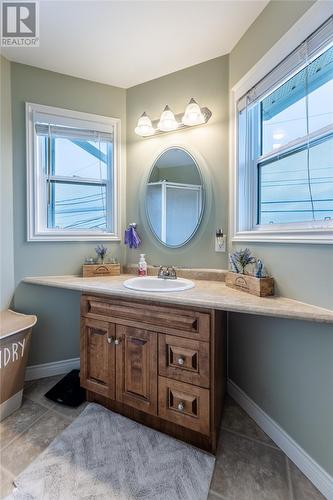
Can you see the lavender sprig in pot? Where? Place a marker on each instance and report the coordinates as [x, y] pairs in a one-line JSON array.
[[241, 259], [101, 251]]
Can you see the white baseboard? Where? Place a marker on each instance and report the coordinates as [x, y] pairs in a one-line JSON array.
[[311, 469], [50, 369]]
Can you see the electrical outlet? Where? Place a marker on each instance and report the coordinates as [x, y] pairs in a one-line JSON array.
[[220, 243]]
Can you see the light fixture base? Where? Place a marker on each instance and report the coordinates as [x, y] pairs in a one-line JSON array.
[[153, 125], [205, 111]]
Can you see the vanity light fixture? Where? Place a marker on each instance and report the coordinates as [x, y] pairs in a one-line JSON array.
[[167, 121], [194, 115], [144, 126]]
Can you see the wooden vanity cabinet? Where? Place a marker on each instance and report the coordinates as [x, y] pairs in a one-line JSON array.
[[162, 365], [98, 357], [136, 368]]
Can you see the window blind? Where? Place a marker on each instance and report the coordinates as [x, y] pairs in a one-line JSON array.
[[316, 74], [72, 133], [302, 55]]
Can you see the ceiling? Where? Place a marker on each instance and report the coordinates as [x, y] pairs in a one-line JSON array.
[[125, 43]]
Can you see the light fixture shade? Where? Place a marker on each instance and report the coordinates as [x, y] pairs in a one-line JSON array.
[[167, 121], [193, 114], [144, 126]]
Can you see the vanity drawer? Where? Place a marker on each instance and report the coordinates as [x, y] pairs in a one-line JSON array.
[[171, 320], [182, 359], [184, 404]]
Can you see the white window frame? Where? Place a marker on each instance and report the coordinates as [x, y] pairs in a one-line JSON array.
[[315, 232], [36, 209]]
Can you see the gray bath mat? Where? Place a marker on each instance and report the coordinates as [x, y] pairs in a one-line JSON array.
[[103, 455]]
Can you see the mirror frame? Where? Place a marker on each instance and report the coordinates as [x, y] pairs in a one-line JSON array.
[[196, 162]]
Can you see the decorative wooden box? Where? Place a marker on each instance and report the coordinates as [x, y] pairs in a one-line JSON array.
[[262, 287], [93, 270]]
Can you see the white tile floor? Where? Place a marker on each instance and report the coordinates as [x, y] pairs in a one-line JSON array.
[[249, 465]]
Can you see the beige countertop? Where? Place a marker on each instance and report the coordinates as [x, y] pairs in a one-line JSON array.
[[209, 294]]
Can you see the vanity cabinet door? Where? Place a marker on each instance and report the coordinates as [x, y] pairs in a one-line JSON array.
[[136, 359], [98, 357]]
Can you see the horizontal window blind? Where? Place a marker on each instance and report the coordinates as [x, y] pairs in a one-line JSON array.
[[56, 131], [309, 79], [302, 55]]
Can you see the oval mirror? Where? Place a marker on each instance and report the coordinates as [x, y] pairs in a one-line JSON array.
[[174, 197]]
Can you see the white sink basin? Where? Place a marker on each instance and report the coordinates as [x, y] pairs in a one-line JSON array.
[[152, 284]]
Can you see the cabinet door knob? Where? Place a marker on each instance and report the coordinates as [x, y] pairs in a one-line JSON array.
[[117, 341], [181, 406], [181, 360], [110, 340]]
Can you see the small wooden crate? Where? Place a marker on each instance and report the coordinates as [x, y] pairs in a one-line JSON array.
[[262, 287], [93, 270]]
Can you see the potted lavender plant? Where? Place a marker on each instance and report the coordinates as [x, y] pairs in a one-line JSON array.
[[241, 259], [256, 281], [101, 251]]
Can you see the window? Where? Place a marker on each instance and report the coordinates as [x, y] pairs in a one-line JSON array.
[[72, 175], [285, 144]]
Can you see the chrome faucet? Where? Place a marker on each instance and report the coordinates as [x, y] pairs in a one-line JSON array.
[[167, 273]]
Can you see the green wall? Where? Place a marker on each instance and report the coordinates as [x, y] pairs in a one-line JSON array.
[[45, 87], [286, 366], [275, 20], [208, 84], [301, 272], [56, 335], [6, 189]]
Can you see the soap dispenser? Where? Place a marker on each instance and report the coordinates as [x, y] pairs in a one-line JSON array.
[[142, 268]]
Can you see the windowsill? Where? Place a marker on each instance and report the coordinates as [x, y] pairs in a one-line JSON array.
[[71, 237], [319, 237]]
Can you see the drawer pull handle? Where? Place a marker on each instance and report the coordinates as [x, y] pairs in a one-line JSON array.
[[180, 361], [138, 341], [181, 406], [117, 341], [195, 325], [110, 340]]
